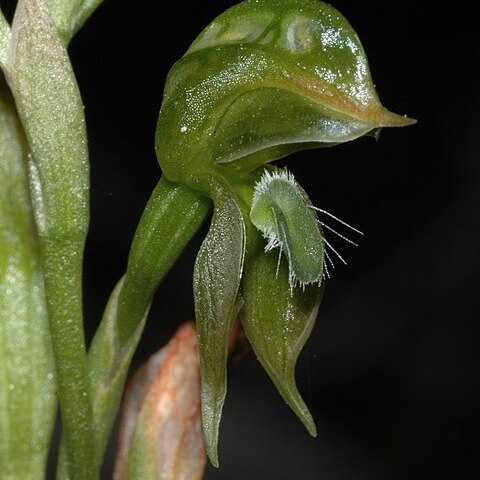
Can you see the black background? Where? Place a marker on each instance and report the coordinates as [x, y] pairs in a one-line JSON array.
[[391, 370]]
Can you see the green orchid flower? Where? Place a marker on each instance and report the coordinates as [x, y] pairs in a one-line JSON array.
[[264, 79]]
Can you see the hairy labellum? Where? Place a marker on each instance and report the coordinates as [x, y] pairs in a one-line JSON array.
[[282, 211]]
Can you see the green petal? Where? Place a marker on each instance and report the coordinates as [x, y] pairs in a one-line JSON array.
[[277, 323], [217, 274]]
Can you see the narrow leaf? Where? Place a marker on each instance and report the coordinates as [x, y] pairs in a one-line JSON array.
[[84, 11], [277, 323], [216, 280], [51, 111], [27, 371], [160, 432]]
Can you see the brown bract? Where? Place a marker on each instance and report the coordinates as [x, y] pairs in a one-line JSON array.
[[160, 431]]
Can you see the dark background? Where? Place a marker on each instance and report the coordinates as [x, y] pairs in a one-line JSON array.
[[391, 370]]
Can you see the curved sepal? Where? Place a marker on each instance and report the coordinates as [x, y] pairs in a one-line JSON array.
[[278, 322], [264, 79], [218, 269]]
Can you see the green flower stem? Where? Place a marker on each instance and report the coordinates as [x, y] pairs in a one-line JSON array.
[[27, 379], [51, 111], [66, 327], [171, 218]]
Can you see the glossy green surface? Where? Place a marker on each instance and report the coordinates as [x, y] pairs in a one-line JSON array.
[[264, 79], [278, 322], [217, 274]]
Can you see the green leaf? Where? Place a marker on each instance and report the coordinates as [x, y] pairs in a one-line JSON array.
[[51, 111], [218, 269], [27, 373], [63, 13], [278, 322], [282, 211], [265, 79], [86, 8]]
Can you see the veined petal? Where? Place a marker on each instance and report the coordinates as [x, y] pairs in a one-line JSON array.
[[217, 274]]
